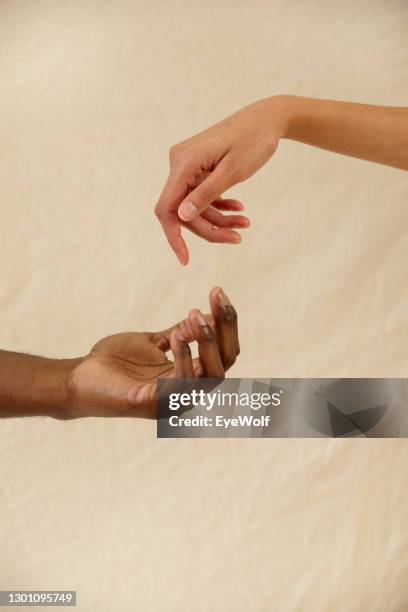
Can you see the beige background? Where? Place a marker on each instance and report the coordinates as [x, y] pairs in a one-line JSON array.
[[92, 94]]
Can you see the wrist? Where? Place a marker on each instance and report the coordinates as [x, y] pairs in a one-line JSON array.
[[291, 113], [304, 118], [51, 394], [35, 386], [61, 388], [287, 110]]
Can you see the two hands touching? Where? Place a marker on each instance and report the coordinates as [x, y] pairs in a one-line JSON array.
[[119, 375]]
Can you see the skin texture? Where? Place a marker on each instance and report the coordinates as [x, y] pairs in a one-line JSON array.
[[203, 167], [119, 375]]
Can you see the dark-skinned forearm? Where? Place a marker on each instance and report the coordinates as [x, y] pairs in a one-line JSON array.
[[33, 386], [373, 133]]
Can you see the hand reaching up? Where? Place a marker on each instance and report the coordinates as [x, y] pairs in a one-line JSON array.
[[119, 376]]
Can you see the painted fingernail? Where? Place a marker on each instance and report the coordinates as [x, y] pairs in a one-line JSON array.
[[223, 298], [179, 336], [200, 319], [187, 211], [187, 330], [206, 327]]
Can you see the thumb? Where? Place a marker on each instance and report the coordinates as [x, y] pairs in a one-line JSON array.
[[142, 400], [212, 187]]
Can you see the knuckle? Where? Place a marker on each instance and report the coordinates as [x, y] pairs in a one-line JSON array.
[[181, 158], [174, 152], [185, 166]]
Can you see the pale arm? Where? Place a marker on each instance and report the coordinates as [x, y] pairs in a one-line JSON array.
[[206, 165], [374, 133]]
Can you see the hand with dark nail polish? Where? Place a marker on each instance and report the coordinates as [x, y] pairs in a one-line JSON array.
[[119, 376]]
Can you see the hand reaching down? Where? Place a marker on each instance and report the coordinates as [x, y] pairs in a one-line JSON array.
[[204, 166]]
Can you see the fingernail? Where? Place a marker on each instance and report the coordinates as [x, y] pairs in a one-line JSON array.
[[187, 211], [179, 336], [200, 319], [223, 299], [236, 239], [206, 327]]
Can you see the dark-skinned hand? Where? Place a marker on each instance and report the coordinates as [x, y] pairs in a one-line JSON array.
[[119, 376]]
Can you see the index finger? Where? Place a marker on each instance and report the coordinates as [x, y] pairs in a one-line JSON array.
[[172, 229], [166, 211], [208, 350], [162, 338]]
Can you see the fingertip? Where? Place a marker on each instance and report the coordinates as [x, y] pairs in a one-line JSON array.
[[181, 251], [196, 318], [183, 258], [228, 204], [236, 205], [192, 314], [187, 211], [214, 293], [215, 303], [179, 343], [176, 336]]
